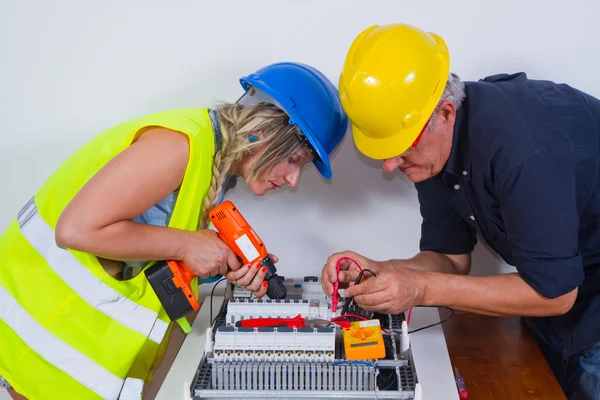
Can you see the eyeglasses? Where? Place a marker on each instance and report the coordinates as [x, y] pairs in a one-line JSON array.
[[413, 146]]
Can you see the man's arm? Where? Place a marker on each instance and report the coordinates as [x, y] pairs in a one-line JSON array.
[[539, 205], [396, 290], [434, 262], [499, 295], [446, 242]]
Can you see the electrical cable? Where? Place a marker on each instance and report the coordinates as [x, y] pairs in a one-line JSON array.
[[366, 363], [360, 274], [349, 315], [432, 325], [212, 293], [334, 298], [388, 377], [356, 282], [337, 266], [391, 383]]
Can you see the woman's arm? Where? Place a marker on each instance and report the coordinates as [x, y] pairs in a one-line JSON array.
[[99, 218]]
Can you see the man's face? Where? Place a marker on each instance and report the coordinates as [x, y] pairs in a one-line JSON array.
[[430, 155]]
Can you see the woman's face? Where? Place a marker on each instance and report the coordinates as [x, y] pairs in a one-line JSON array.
[[285, 173]]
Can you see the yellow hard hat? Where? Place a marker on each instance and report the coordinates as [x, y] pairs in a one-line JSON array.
[[391, 82]]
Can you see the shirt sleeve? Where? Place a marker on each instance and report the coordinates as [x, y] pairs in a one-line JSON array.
[[443, 230], [539, 207]]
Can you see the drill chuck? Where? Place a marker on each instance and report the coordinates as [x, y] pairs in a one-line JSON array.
[[276, 289]]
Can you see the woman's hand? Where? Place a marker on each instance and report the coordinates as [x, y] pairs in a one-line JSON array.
[[252, 277], [207, 255]]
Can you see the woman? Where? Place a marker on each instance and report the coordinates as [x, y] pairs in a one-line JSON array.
[[78, 319]]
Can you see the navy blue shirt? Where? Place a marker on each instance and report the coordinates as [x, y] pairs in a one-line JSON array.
[[523, 172]]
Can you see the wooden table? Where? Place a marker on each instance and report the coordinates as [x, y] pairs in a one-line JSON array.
[[498, 358]]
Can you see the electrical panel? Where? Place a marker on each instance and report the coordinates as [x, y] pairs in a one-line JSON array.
[[279, 361]]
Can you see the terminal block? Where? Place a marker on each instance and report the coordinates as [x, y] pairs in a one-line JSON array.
[[241, 308], [274, 344]]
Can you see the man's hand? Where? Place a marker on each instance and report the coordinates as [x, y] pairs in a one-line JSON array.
[[390, 292], [348, 270]]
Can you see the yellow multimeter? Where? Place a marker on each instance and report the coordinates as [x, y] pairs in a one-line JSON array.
[[363, 340]]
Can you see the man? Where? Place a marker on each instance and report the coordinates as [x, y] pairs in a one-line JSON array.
[[514, 159]]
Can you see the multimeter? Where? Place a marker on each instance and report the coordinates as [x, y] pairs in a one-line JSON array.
[[363, 340]]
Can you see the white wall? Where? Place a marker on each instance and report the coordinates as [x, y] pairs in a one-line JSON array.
[[70, 69]]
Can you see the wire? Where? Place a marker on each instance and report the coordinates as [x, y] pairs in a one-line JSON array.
[[337, 319], [349, 315], [360, 274], [391, 383], [337, 274], [212, 293], [408, 318], [337, 266], [368, 364], [388, 377], [432, 325], [356, 282]]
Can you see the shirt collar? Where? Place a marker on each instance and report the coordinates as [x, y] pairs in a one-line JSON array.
[[458, 162]]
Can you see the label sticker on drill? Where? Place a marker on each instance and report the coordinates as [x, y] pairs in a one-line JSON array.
[[247, 247], [371, 322]]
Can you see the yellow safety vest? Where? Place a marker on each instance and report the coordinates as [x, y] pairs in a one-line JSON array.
[[68, 329]]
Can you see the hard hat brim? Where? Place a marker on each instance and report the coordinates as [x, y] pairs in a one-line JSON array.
[[385, 147]]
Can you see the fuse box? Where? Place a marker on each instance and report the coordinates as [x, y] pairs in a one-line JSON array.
[[312, 361]]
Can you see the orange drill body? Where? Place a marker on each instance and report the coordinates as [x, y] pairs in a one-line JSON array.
[[171, 280], [235, 231]]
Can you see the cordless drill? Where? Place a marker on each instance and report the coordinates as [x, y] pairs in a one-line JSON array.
[[171, 280]]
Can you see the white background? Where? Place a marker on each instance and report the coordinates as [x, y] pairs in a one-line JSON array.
[[70, 69]]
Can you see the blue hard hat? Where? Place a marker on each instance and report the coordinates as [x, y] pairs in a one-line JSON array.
[[311, 101]]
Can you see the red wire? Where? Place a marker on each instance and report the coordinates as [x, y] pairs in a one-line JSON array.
[[337, 267], [336, 284], [337, 270], [349, 315], [336, 319]]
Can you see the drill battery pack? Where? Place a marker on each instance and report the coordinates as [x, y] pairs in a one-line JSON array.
[[170, 281]]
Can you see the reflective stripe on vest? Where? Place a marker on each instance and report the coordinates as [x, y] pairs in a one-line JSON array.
[[99, 295], [132, 389], [61, 355]]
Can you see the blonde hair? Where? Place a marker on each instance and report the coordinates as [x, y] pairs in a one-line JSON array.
[[238, 124]]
